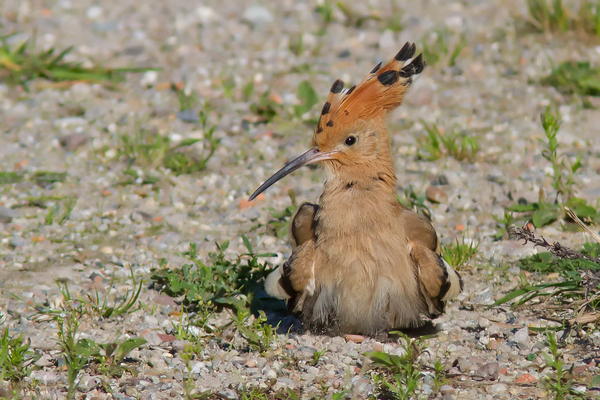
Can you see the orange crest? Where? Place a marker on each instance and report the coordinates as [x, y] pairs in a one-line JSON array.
[[381, 91]]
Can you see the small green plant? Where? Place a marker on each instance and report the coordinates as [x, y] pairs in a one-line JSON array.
[[394, 21], [455, 144], [560, 384], [555, 16], [459, 253], [404, 375], [76, 352], [574, 77], [564, 177], [548, 15], [8, 177], [260, 335], [503, 225], [21, 64], [317, 356], [47, 178], [66, 204], [228, 84], [188, 384], [280, 220], [109, 358], [569, 271], [325, 11], [266, 109], [153, 150], [296, 44], [340, 395], [308, 97], [415, 202], [441, 46], [105, 308], [49, 219], [94, 304], [16, 361], [248, 90], [439, 377], [187, 98], [220, 282]]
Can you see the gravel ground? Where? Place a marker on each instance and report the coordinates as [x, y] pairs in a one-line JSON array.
[[491, 92]]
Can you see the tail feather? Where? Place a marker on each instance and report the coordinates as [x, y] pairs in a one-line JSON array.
[[456, 283]]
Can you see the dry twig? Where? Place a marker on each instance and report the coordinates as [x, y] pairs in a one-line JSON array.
[[589, 278], [555, 248]]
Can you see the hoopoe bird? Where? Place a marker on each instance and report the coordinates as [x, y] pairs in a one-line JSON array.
[[361, 261]]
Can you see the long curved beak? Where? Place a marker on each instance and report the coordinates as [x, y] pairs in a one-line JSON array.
[[311, 156]]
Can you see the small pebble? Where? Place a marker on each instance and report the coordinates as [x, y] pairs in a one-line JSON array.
[[436, 195], [7, 214], [521, 336], [258, 16]]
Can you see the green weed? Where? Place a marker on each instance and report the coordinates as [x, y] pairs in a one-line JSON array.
[[455, 144], [404, 375], [325, 11], [564, 175], [439, 377], [21, 64], [109, 358], [47, 178], [547, 15], [16, 361], [93, 304], [266, 109], [105, 308], [149, 149], [459, 253], [188, 384], [7, 177], [414, 202], [503, 225], [543, 213], [132, 176], [228, 84], [555, 16], [441, 46], [187, 98], [280, 220], [296, 44], [394, 21], [248, 90], [560, 383], [76, 352], [49, 219], [317, 356], [571, 286], [575, 77], [66, 204], [220, 282], [260, 335]]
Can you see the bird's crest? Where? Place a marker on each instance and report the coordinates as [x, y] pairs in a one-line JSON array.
[[381, 91]]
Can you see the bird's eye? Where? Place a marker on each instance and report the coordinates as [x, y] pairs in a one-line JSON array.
[[350, 140]]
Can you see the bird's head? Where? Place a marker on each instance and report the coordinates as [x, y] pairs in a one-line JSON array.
[[351, 134]]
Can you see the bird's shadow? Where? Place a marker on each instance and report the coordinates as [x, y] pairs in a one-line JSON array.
[[279, 317]]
